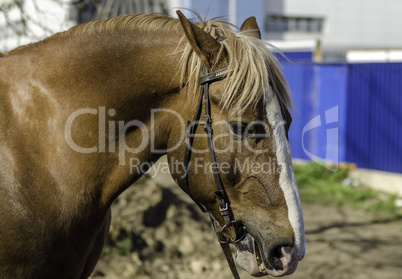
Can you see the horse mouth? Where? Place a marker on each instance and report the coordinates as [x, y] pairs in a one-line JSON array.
[[259, 260], [260, 263], [279, 261]]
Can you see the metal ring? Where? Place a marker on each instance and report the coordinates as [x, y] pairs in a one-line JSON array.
[[225, 238]]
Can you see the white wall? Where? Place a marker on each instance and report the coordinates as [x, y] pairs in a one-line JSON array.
[[353, 23], [348, 23]]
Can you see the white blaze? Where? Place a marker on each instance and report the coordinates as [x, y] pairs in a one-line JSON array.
[[287, 179]]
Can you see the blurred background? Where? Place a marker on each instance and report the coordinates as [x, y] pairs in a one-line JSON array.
[[343, 62]]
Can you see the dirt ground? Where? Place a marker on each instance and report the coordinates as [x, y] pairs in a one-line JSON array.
[[157, 232]]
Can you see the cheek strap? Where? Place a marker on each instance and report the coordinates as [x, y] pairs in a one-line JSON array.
[[223, 201]]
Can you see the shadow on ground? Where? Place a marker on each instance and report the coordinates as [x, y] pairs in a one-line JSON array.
[[158, 232]]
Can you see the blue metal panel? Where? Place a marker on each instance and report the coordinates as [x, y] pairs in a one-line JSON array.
[[296, 56], [319, 93], [358, 115], [386, 106], [374, 132], [369, 118], [330, 91], [300, 78]]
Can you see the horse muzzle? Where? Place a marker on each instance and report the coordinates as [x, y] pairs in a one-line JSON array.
[[277, 259]]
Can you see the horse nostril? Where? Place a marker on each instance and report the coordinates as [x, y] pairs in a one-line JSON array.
[[278, 248], [276, 255]]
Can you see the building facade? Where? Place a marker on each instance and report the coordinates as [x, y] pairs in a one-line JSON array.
[[338, 24]]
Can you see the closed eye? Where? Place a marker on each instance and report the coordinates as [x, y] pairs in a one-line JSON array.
[[239, 129], [244, 130]]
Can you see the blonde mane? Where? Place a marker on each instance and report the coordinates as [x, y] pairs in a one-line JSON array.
[[252, 67], [147, 23]]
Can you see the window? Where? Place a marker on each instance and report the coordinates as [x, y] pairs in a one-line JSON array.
[[280, 23]]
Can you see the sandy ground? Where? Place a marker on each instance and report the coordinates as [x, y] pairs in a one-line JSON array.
[[157, 232]]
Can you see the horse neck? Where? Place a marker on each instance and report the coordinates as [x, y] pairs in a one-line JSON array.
[[122, 79], [129, 69]]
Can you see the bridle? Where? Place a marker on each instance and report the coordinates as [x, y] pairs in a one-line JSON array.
[[223, 200], [224, 204]]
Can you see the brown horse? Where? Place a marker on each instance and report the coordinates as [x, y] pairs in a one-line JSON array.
[[85, 112]]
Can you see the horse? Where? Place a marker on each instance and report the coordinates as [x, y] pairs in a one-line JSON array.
[[85, 112]]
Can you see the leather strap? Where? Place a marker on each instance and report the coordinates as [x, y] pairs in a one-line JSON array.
[[205, 80], [229, 258], [190, 132], [224, 205], [226, 251]]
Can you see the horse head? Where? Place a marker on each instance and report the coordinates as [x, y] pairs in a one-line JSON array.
[[240, 169]]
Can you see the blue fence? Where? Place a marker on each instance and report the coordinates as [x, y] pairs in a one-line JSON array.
[[374, 114], [299, 56], [347, 113]]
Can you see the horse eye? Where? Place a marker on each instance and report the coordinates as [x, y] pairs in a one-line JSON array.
[[239, 128], [259, 130]]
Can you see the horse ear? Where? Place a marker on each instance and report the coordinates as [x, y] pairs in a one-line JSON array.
[[204, 45], [250, 27]]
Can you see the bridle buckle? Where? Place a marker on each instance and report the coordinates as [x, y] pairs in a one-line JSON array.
[[207, 120], [224, 209]]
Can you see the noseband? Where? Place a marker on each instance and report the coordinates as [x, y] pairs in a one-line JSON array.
[[224, 204]]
